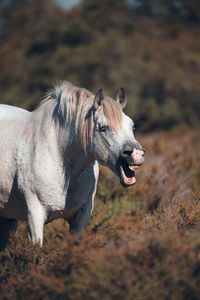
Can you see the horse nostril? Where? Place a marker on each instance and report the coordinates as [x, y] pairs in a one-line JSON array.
[[145, 151], [126, 153]]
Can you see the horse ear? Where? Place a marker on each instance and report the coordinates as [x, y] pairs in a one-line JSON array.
[[98, 98], [122, 97]]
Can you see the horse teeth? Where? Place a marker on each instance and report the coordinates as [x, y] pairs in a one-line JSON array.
[[133, 168]]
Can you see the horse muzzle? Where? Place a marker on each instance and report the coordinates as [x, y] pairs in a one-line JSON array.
[[129, 161]]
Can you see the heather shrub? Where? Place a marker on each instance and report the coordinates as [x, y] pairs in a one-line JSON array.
[[142, 242]]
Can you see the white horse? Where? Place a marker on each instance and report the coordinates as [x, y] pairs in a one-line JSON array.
[[48, 162]]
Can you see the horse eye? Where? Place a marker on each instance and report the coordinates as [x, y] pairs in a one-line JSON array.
[[133, 127], [103, 128]]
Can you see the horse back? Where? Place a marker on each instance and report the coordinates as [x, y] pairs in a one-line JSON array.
[[11, 112]]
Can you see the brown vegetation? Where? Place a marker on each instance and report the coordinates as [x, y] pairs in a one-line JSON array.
[[142, 242]]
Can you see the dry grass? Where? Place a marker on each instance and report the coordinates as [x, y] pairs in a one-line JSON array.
[[142, 242]]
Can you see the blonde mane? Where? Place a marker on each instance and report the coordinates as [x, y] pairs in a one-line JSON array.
[[75, 105]]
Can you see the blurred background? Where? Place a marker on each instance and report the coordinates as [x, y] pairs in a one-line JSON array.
[[151, 47], [142, 242]]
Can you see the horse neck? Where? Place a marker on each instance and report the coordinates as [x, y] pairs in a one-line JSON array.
[[75, 130], [41, 122], [54, 131], [72, 149], [75, 158]]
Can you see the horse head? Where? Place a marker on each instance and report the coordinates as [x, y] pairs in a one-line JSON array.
[[114, 143]]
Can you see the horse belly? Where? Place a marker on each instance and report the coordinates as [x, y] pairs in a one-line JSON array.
[[13, 209], [12, 204], [11, 199]]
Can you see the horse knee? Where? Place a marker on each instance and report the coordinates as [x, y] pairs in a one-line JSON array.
[[79, 221], [6, 226]]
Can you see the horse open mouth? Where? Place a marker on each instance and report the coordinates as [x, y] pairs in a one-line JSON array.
[[127, 174]]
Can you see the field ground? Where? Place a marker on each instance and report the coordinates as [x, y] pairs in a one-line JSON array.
[[142, 242]]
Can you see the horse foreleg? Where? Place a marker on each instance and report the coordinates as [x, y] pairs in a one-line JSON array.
[[84, 197], [35, 224], [6, 226], [79, 221]]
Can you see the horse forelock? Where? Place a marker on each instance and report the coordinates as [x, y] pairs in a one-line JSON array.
[[113, 113]]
